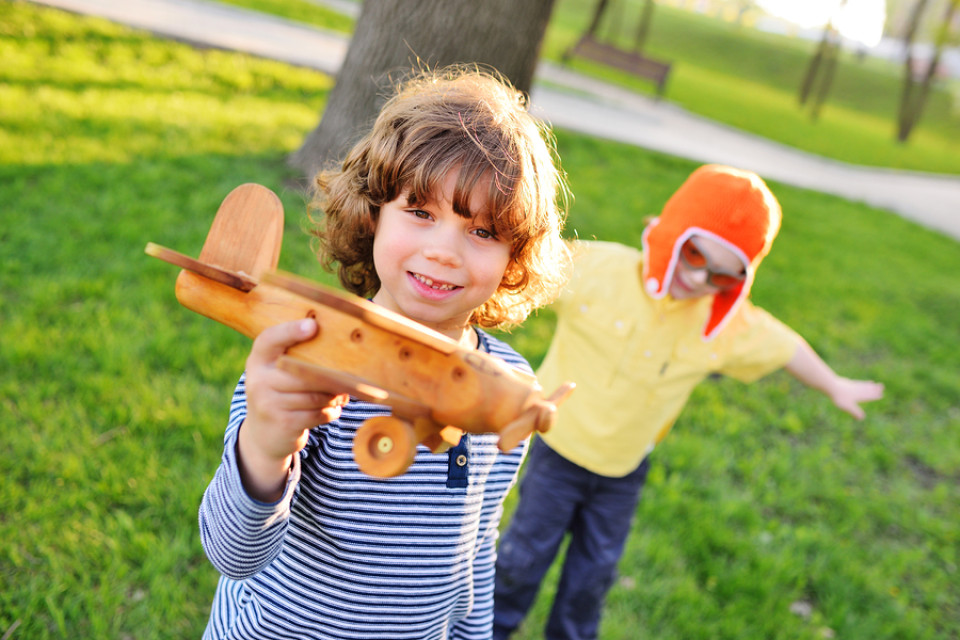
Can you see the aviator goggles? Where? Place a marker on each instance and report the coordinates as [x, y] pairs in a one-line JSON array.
[[693, 257]]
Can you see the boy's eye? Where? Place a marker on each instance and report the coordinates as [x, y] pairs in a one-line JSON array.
[[486, 234], [420, 213]]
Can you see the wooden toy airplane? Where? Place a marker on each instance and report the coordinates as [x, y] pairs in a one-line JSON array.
[[436, 389]]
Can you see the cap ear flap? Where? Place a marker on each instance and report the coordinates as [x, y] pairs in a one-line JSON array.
[[724, 304], [656, 260]]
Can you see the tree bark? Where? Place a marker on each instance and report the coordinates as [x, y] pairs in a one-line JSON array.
[[911, 103], [908, 83], [646, 17], [825, 56], [393, 37], [597, 14]]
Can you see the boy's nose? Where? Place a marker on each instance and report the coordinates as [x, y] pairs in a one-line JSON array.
[[442, 256], [443, 249]]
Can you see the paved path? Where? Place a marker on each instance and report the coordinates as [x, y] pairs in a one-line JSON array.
[[567, 100]]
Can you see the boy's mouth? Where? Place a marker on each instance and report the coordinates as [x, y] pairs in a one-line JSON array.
[[429, 282]]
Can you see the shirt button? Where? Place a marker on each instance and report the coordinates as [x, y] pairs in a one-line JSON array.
[[584, 308], [461, 460], [618, 324], [648, 354]]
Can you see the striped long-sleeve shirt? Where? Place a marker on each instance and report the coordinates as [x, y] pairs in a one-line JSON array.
[[343, 555]]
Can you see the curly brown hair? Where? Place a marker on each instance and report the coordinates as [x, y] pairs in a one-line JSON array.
[[472, 120]]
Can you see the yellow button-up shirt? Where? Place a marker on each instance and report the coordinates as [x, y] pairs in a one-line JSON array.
[[636, 359]]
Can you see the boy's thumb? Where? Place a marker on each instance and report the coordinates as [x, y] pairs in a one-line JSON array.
[[274, 341]]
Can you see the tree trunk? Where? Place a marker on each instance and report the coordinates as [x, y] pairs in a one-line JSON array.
[[645, 18], [912, 104], [597, 14], [822, 64], [807, 85], [396, 36], [908, 83]]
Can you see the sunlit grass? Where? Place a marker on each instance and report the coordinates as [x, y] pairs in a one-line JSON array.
[[315, 13]]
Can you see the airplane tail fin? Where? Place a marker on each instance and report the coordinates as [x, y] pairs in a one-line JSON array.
[[243, 243], [247, 232]]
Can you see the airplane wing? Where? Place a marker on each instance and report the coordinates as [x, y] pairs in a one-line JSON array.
[[366, 311], [240, 281], [542, 416]]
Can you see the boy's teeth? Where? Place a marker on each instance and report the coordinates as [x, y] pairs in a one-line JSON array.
[[427, 281]]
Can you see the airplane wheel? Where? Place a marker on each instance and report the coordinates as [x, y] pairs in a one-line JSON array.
[[384, 446]]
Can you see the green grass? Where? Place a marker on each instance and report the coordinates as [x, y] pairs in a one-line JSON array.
[[113, 398], [301, 10]]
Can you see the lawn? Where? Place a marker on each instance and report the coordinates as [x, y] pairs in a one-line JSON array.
[[113, 398]]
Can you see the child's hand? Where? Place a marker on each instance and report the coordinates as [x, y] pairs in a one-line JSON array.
[[847, 395], [281, 410]]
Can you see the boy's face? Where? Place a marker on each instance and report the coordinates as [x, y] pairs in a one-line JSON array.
[[435, 266], [704, 268]]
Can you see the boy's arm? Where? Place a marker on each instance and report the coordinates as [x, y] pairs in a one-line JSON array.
[[810, 369], [244, 510]]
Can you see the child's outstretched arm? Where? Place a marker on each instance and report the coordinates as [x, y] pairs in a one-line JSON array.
[[810, 369], [281, 409]]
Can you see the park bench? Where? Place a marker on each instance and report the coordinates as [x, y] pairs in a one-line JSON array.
[[630, 61]]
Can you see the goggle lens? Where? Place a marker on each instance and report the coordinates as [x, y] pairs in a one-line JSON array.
[[723, 280], [691, 256]]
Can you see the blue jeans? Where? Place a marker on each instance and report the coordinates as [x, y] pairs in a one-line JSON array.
[[557, 497]]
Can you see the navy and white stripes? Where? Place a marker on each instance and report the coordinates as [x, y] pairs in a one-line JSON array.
[[349, 557]]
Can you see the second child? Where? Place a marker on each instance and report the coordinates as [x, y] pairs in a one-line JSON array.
[[637, 331]]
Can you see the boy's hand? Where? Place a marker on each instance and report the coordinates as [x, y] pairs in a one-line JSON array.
[[847, 395], [281, 410], [810, 369]]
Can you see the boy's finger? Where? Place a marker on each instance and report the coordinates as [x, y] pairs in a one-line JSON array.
[[274, 341], [309, 400]]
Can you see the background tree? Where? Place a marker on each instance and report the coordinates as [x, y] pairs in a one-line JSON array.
[[394, 36], [915, 90], [822, 66], [900, 13], [617, 20], [646, 17], [743, 7]]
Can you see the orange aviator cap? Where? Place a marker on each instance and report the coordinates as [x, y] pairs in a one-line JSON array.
[[732, 206]]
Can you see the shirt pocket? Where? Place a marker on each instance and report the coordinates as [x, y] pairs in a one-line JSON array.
[[604, 321], [607, 336], [688, 364]]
